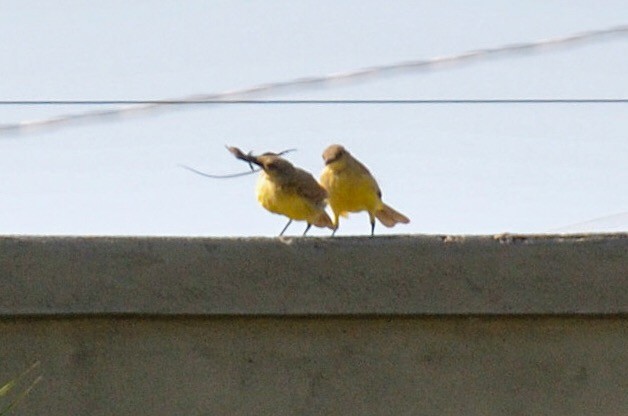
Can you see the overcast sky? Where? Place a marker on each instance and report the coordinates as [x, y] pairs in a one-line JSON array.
[[464, 168]]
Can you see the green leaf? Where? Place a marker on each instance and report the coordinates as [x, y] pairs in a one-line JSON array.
[[5, 389]]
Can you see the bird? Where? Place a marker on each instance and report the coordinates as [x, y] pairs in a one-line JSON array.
[[287, 190], [352, 188]]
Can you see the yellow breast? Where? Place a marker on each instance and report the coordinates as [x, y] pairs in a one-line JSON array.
[[285, 201], [350, 191]]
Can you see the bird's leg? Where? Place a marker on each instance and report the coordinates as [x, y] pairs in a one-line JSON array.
[[336, 224], [285, 228], [372, 218], [307, 228]]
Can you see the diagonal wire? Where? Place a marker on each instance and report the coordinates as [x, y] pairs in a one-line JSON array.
[[362, 74], [595, 222], [377, 101]]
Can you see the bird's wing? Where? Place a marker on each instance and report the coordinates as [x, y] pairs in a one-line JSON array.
[[306, 186], [371, 179]]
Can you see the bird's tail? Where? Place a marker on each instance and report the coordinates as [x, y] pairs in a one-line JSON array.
[[389, 217], [323, 220]]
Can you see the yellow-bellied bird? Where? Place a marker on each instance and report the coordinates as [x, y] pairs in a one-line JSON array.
[[352, 188], [287, 190]]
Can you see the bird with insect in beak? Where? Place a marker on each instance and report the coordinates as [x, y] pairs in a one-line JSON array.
[[352, 188], [287, 190]]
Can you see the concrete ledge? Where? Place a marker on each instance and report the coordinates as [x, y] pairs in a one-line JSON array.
[[408, 325], [402, 275], [321, 366]]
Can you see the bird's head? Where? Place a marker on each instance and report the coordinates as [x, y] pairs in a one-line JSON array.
[[335, 155], [273, 165]]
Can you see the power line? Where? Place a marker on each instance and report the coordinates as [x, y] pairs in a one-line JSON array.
[[362, 74], [324, 102], [592, 222]]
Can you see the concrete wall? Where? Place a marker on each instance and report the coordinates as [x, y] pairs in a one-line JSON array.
[[409, 325]]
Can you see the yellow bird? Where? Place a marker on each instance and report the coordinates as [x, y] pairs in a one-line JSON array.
[[287, 190], [352, 188]]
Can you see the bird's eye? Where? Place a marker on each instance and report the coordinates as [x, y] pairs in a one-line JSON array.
[[271, 166], [337, 155]]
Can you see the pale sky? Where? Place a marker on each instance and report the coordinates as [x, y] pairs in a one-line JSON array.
[[453, 169]]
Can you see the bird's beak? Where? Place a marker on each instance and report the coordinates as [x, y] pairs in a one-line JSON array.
[[239, 154], [252, 159], [330, 159]]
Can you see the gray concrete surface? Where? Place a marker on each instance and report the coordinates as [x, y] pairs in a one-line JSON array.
[[408, 325], [324, 366], [405, 275]]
